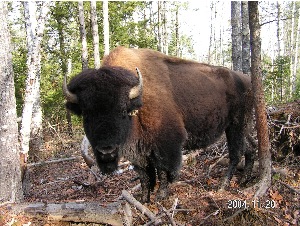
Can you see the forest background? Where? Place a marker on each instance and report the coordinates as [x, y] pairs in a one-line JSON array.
[[177, 31], [191, 30], [53, 39]]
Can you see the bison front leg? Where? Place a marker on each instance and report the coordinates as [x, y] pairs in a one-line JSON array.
[[163, 190], [145, 184]]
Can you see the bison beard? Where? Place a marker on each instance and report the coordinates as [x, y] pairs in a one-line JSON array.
[[180, 103]]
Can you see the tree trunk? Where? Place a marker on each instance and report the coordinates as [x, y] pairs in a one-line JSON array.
[[105, 27], [292, 51], [95, 33], [164, 28], [177, 29], [294, 76], [84, 52], [36, 137], [63, 59], [211, 33], [259, 102], [236, 35], [159, 30], [34, 30], [10, 172], [72, 212], [245, 39]]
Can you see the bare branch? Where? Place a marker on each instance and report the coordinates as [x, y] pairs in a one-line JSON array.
[[143, 209]]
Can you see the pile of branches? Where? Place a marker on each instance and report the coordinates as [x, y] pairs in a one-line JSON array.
[[284, 125]]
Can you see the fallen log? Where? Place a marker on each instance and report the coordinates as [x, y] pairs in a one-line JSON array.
[[91, 212]]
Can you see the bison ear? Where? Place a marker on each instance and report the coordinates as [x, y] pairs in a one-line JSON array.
[[74, 108]]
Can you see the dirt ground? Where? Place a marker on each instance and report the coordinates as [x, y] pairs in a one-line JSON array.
[[199, 201]]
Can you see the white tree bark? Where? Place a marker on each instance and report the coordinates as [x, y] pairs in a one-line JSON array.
[[95, 34], [296, 56], [159, 27], [211, 32], [245, 38], [280, 42], [34, 30], [83, 36], [10, 172], [292, 51], [105, 27], [165, 29]]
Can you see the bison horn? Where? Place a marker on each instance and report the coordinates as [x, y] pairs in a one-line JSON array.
[[138, 89], [71, 97]]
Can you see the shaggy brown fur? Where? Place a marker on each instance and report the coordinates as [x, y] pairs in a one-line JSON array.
[[184, 104]]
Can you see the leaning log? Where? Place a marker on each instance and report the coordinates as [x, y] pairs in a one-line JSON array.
[[91, 212]]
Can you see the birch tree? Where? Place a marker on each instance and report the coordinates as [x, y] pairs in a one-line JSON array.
[[165, 47], [94, 21], [84, 51], [264, 153], [32, 115], [293, 50], [296, 55], [10, 172], [105, 27], [159, 27], [236, 35], [245, 38], [211, 32], [177, 29]]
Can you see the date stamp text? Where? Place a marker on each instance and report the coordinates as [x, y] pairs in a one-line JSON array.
[[244, 204]]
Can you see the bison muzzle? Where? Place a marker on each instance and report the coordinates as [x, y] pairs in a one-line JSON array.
[[148, 115]]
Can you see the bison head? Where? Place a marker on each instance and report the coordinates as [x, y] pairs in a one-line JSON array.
[[107, 99]]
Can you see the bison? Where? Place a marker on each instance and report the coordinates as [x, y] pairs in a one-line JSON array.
[[146, 107]]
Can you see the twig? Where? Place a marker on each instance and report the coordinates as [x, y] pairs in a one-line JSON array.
[[167, 213], [235, 214], [61, 140], [53, 161], [174, 206], [127, 214], [143, 209], [93, 169], [289, 187], [212, 214], [213, 165]]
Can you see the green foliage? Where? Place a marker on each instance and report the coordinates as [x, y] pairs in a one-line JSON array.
[[276, 79], [132, 24], [19, 53], [126, 30]]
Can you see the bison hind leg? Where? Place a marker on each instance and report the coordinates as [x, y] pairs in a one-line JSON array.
[[236, 145], [165, 178], [249, 159], [163, 187]]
